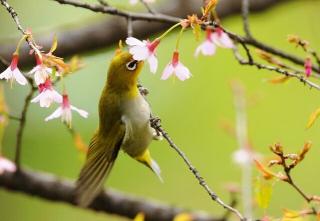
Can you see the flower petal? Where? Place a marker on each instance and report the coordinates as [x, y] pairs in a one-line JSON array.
[[153, 63], [82, 113], [6, 165], [131, 41], [168, 71], [207, 48], [6, 74], [222, 40], [139, 53], [19, 77], [182, 72], [56, 114]]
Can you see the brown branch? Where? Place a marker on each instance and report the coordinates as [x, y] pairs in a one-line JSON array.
[[155, 123], [122, 13], [94, 35], [22, 123], [296, 75], [48, 187]]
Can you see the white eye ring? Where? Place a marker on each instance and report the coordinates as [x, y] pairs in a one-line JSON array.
[[132, 65]]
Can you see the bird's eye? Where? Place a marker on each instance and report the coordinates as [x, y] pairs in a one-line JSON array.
[[132, 65]]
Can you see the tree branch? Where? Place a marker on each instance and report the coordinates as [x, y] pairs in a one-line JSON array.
[[95, 36], [155, 123], [50, 188]]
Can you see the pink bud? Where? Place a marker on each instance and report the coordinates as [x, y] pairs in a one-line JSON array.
[[308, 67]]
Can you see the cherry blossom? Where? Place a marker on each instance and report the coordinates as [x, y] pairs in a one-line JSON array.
[[221, 39], [207, 47], [214, 38], [47, 94], [6, 165], [308, 67], [40, 71], [144, 50], [13, 72], [177, 68], [64, 111]]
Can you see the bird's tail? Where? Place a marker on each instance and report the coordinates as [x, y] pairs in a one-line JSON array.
[[147, 160], [98, 165]]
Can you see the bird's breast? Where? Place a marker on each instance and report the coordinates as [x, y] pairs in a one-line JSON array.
[[136, 117]]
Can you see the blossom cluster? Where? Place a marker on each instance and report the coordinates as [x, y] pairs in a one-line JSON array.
[[146, 51], [47, 67]]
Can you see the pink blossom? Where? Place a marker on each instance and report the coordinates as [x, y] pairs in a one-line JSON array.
[[64, 111], [221, 39], [13, 72], [40, 71], [7, 166], [308, 67], [207, 47], [177, 68], [144, 50], [47, 94]]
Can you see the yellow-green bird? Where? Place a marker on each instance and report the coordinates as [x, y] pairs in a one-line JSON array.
[[123, 124]]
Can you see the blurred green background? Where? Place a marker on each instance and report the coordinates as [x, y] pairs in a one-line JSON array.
[[191, 112]]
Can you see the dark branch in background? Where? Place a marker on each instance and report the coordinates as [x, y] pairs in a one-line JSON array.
[[112, 202], [92, 36]]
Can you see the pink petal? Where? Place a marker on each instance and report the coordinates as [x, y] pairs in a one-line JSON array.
[[153, 63], [56, 114], [6, 74], [182, 72], [19, 77], [139, 53], [33, 70], [168, 71], [7, 165], [37, 98], [131, 41], [82, 113], [222, 40], [56, 97], [207, 48]]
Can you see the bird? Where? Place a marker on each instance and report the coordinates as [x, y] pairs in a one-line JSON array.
[[124, 124]]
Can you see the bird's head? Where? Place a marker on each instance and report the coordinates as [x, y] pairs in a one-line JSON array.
[[124, 71]]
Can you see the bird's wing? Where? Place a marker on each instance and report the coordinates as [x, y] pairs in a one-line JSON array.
[[103, 151]]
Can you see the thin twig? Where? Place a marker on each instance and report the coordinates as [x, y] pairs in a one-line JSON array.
[[103, 2], [22, 124], [11, 117], [114, 11], [155, 123], [300, 77], [148, 7], [245, 17], [14, 15]]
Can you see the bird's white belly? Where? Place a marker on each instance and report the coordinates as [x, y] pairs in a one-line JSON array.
[[138, 133]]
